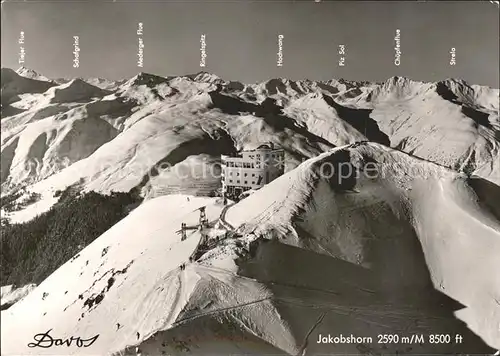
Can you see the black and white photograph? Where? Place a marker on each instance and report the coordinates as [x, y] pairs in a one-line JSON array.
[[237, 177]]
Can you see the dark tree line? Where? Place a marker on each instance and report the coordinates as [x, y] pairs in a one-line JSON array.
[[31, 251]]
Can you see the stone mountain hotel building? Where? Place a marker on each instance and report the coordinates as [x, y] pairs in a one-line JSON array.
[[251, 169]]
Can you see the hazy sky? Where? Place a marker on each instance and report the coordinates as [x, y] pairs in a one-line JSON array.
[[241, 38]]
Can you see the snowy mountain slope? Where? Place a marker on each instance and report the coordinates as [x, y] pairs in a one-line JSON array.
[[399, 194], [450, 134], [171, 292], [313, 253], [102, 83], [74, 91], [55, 129], [474, 96], [159, 137], [40, 150], [449, 122], [144, 120], [335, 122]]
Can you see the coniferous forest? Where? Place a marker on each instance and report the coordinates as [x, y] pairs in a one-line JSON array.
[[31, 251]]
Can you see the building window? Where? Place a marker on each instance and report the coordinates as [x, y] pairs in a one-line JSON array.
[[238, 182], [237, 174], [246, 174], [253, 174], [246, 182], [253, 182], [230, 173], [230, 181]]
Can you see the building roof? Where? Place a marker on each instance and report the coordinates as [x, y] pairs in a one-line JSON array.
[[267, 146]]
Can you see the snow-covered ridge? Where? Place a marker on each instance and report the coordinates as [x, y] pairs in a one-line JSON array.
[[54, 135], [305, 84], [387, 241]]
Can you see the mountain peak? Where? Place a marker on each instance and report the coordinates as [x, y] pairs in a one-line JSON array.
[[398, 80], [147, 79], [206, 77], [24, 69], [31, 74]]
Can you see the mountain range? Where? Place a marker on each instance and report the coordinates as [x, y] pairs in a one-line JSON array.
[[413, 247]]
